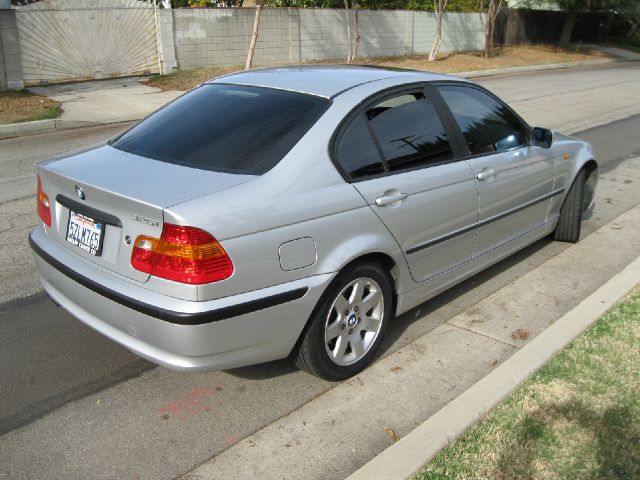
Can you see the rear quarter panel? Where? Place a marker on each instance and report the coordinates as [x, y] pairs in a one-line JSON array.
[[302, 196]]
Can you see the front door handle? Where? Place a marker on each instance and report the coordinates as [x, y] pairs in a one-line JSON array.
[[390, 197], [486, 174]]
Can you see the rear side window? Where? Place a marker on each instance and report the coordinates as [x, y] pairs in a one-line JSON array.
[[409, 132], [356, 153], [488, 125], [225, 128]]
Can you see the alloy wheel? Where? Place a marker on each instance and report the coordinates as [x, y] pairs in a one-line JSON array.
[[354, 321]]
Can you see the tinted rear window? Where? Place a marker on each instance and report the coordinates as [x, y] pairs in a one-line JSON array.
[[225, 128], [356, 153]]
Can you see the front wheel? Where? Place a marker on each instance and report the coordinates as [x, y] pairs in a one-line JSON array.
[[568, 228], [348, 325]]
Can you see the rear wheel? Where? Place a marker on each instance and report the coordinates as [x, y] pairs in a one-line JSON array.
[[347, 327], [568, 228]]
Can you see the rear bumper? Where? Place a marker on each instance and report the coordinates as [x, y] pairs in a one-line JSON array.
[[229, 332]]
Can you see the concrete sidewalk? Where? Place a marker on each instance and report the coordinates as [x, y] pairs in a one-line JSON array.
[[128, 99], [406, 457], [333, 435], [106, 101], [97, 102], [617, 52]]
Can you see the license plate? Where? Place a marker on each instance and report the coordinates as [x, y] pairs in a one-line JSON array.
[[85, 232]]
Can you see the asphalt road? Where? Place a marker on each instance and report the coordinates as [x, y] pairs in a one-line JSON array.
[[53, 359]]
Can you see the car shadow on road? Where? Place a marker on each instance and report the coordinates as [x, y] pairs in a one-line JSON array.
[[263, 371], [400, 324]]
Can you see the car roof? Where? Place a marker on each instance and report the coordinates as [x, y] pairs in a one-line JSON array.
[[322, 80]]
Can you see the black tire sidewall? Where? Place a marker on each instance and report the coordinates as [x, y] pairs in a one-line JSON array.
[[324, 366], [570, 222]]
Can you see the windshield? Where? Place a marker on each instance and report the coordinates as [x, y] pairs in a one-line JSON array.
[[225, 128]]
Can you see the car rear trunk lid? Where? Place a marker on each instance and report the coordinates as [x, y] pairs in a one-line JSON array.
[[124, 195]]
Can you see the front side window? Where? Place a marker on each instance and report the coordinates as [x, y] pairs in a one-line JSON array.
[[488, 125], [409, 132], [225, 128]]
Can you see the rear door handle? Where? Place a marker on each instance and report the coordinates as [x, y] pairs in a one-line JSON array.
[[390, 197], [486, 174]]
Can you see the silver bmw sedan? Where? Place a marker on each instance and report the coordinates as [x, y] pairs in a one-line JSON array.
[[293, 212]]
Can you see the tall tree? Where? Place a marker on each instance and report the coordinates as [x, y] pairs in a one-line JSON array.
[[573, 8], [347, 20], [356, 7], [490, 26], [630, 11], [438, 7], [254, 35], [352, 50]]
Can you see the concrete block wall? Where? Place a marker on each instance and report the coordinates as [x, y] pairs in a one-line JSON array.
[[3, 75], [386, 33], [322, 35], [191, 38], [214, 37], [219, 37], [10, 44], [461, 32]]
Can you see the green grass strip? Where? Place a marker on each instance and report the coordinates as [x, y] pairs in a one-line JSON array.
[[578, 417]]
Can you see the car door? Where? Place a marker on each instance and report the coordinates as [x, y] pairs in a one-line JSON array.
[[396, 152], [515, 179]]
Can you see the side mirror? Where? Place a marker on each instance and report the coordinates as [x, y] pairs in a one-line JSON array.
[[542, 137]]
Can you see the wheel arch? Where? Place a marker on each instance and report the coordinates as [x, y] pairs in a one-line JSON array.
[[388, 264], [583, 161], [590, 166], [591, 183], [384, 260]]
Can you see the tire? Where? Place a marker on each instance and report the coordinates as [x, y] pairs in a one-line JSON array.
[[341, 339], [568, 228]]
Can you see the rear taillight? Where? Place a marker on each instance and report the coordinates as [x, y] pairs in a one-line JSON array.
[[44, 207], [183, 254]]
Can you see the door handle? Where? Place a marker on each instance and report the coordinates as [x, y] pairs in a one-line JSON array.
[[486, 174], [390, 197]]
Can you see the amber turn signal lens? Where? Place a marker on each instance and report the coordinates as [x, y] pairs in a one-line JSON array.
[[183, 254], [44, 207]]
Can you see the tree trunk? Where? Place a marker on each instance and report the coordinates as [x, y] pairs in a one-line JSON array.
[[567, 29], [348, 22], [488, 44], [254, 38], [438, 7], [355, 48], [437, 41], [490, 26]]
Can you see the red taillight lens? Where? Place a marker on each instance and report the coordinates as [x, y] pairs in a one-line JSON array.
[[44, 207], [183, 254]]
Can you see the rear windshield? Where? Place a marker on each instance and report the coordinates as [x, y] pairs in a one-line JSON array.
[[225, 128]]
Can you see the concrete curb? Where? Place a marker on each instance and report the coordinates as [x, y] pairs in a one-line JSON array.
[[532, 68], [42, 126], [407, 456]]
